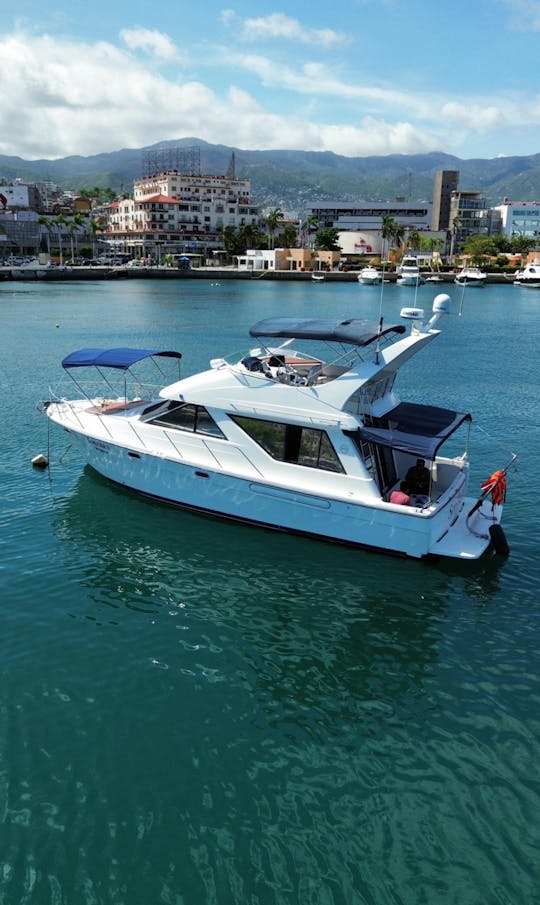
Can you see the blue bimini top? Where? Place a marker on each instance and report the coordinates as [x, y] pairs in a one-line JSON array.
[[112, 358]]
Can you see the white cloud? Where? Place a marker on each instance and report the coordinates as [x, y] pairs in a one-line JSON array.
[[318, 80], [278, 26], [64, 97], [151, 41], [475, 116], [526, 14]]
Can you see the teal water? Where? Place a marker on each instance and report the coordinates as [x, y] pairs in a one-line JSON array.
[[195, 713]]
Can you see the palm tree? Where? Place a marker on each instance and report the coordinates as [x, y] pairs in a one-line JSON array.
[[288, 237], [399, 235], [414, 240], [272, 220], [388, 227], [73, 229], [309, 226], [59, 223], [93, 226]]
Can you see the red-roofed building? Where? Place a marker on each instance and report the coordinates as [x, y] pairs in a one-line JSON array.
[[171, 213]]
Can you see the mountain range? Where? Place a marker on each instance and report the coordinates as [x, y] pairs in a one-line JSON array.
[[296, 179]]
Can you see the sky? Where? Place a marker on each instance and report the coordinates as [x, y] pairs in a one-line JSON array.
[[356, 77]]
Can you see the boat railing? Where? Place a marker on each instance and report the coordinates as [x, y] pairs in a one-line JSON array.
[[62, 403]]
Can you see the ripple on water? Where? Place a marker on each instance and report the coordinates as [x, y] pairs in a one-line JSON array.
[[197, 712]]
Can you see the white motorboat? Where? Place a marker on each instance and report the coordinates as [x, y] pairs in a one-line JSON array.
[[471, 276], [409, 272], [318, 276], [369, 276], [305, 442], [529, 276]]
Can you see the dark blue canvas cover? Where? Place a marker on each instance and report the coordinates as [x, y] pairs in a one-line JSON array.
[[354, 331], [416, 429], [112, 358]]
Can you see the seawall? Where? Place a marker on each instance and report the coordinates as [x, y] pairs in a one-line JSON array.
[[65, 274]]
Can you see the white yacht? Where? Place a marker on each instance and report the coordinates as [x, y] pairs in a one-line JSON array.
[[471, 276], [409, 272], [529, 276], [308, 442], [369, 276]]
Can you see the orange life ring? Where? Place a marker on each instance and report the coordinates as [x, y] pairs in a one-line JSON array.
[[496, 485]]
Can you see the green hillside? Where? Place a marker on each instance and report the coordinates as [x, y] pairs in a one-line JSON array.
[[295, 179]]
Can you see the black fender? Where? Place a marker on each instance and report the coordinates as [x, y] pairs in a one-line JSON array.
[[498, 540]]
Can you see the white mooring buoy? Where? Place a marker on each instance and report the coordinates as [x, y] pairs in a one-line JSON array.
[[40, 461]]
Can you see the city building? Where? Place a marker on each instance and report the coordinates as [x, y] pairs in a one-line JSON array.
[[517, 218], [171, 213], [469, 216], [294, 259], [360, 223], [20, 232], [445, 182]]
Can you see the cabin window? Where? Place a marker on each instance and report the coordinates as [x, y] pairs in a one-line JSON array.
[[292, 443], [194, 418]]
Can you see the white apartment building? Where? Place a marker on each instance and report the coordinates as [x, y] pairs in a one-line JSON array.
[[518, 218], [175, 213]]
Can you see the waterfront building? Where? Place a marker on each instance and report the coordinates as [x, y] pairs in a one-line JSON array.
[[368, 215], [469, 216], [360, 223], [518, 218], [445, 182], [19, 220], [171, 213], [20, 232], [293, 259]]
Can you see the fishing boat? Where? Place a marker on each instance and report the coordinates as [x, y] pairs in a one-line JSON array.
[[409, 272], [303, 433], [471, 276], [369, 276], [529, 276]]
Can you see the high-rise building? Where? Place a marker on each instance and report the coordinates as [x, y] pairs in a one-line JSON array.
[[446, 182]]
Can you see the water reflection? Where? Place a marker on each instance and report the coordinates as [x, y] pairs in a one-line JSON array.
[[296, 608], [323, 690], [160, 553]]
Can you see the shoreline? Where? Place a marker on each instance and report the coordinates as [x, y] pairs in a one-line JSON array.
[[97, 272]]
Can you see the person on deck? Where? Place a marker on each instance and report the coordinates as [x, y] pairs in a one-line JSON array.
[[418, 478], [401, 496]]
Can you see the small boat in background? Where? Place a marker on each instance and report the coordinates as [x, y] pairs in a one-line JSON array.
[[318, 277], [471, 276], [529, 276], [369, 276], [409, 272]]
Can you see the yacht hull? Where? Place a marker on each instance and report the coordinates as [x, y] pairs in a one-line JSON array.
[[404, 531]]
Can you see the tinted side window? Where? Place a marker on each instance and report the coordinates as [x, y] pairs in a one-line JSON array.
[[194, 418], [305, 446]]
